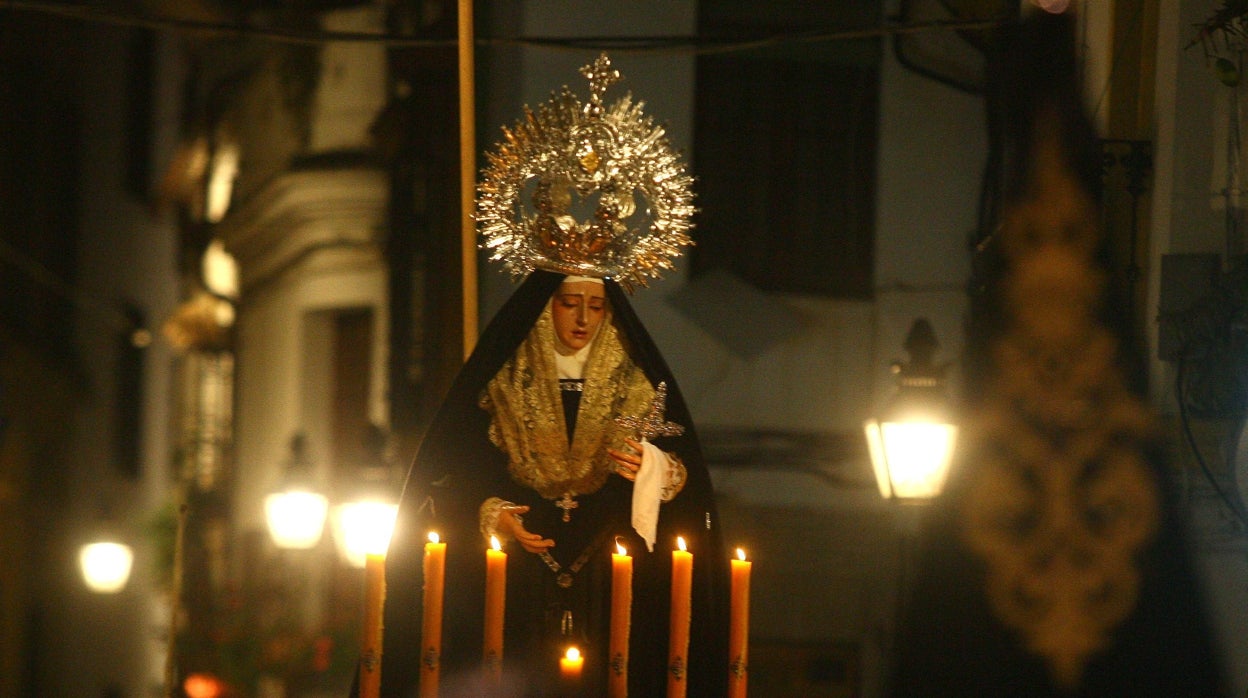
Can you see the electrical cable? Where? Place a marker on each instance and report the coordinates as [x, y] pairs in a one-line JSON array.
[[652, 44]]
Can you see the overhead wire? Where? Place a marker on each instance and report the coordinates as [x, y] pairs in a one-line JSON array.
[[647, 44]]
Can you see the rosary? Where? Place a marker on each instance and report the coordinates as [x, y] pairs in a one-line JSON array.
[[564, 578]]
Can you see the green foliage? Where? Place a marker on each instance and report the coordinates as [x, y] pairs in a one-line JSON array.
[[161, 529], [255, 632], [1224, 36], [252, 625]]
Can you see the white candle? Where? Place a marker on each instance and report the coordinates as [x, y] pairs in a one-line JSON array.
[[374, 600], [621, 620], [495, 603], [570, 665], [682, 593], [739, 627], [431, 628]]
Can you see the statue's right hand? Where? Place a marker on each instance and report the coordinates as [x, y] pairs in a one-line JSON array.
[[509, 520]]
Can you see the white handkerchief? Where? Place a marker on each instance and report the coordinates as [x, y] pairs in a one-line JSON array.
[[648, 485]]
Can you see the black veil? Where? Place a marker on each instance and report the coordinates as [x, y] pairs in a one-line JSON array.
[[456, 468]]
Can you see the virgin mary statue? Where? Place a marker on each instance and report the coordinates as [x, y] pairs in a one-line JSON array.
[[565, 434]]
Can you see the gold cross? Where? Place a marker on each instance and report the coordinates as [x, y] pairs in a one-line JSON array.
[[652, 424], [601, 76]]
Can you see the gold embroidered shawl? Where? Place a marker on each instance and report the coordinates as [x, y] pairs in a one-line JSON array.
[[527, 420]]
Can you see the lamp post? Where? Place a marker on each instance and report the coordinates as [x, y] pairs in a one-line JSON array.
[[911, 442], [296, 512]]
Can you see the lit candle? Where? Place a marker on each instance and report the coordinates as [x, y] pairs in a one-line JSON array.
[[431, 629], [374, 599], [621, 617], [682, 589], [739, 628], [495, 601], [570, 665]]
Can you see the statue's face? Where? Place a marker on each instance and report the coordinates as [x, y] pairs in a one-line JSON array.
[[578, 309]]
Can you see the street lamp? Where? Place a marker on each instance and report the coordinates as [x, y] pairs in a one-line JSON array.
[[296, 512], [364, 519], [106, 565], [911, 443], [363, 527], [363, 523]]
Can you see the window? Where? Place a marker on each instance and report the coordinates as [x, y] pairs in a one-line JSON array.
[[785, 149]]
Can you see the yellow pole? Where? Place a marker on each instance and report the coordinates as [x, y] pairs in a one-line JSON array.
[[467, 175]]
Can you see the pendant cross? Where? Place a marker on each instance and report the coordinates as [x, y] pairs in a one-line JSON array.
[[567, 504]]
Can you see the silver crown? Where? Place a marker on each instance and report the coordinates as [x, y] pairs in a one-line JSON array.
[[603, 164]]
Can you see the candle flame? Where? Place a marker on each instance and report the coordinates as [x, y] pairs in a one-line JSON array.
[[619, 548], [433, 537], [495, 544], [680, 543], [573, 654], [740, 554]]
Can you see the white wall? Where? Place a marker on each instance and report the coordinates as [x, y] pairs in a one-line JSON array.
[[127, 252], [933, 149], [1188, 216], [308, 245], [1187, 212], [284, 358]]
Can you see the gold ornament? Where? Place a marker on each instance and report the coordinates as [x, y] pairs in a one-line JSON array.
[[653, 424], [1063, 502], [586, 189]]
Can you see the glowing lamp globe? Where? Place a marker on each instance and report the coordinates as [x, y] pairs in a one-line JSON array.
[[363, 528], [295, 511], [106, 566], [296, 518], [911, 458]]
